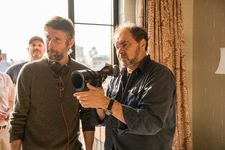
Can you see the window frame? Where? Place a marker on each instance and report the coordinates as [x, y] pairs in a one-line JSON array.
[[71, 15]]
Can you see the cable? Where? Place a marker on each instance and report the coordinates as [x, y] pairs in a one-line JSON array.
[[66, 125]]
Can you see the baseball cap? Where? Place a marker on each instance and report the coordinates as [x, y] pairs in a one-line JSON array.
[[35, 38]]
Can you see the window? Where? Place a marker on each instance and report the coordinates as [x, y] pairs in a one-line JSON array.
[[20, 20], [94, 23]]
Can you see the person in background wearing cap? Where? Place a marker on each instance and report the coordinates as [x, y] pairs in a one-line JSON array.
[[7, 94], [36, 49]]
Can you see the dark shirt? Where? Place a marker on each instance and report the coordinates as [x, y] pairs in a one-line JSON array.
[[13, 71], [148, 103], [46, 115]]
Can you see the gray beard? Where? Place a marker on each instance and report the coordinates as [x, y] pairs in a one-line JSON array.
[[133, 60], [56, 57]]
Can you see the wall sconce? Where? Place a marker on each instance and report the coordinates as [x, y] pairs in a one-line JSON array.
[[221, 66]]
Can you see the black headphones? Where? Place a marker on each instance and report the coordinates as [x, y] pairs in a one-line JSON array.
[[59, 69]]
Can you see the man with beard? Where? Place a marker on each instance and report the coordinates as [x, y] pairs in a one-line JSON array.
[[139, 109], [36, 49], [46, 115]]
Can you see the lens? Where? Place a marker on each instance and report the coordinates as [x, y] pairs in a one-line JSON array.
[[82, 77], [77, 80]]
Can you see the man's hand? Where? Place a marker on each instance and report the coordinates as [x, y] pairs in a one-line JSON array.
[[94, 98]]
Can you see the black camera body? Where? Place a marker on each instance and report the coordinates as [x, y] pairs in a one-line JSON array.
[[80, 78]]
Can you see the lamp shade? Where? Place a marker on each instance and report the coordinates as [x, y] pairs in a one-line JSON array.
[[221, 66]]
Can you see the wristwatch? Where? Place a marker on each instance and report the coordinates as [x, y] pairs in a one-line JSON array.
[[108, 110]]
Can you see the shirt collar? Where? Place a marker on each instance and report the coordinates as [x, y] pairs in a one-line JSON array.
[[143, 63]]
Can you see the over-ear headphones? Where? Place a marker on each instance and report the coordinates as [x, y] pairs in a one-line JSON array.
[[59, 69]]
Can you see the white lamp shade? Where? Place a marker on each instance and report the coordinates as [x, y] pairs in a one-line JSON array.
[[221, 66]]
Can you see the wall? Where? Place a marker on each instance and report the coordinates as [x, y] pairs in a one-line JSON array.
[[204, 34], [187, 7], [127, 10], [208, 88]]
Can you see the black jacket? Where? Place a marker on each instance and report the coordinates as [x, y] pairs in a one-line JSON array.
[[148, 102]]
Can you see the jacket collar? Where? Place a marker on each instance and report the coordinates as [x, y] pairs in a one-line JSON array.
[[141, 66]]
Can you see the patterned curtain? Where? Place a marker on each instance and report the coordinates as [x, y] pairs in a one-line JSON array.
[[164, 22]]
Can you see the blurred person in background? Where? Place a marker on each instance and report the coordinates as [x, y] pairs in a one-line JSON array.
[[7, 96], [36, 50], [4, 64]]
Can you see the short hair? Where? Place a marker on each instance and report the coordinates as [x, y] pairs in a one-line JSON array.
[[63, 24], [137, 32], [0, 52], [35, 38]]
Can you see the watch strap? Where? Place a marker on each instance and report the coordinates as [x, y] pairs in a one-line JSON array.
[[108, 110], [110, 104]]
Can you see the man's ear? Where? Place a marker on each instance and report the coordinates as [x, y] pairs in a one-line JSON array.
[[71, 42], [143, 43]]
